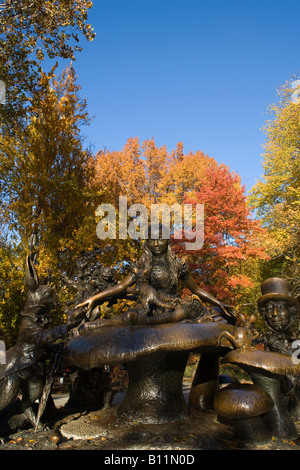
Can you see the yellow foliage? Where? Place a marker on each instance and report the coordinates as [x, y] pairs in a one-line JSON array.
[[277, 197]]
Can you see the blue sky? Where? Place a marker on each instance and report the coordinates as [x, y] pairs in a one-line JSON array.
[[200, 72]]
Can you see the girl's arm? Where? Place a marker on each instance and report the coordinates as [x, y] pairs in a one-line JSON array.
[[113, 291], [230, 314]]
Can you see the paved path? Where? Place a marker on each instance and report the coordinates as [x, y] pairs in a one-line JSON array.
[[61, 398]]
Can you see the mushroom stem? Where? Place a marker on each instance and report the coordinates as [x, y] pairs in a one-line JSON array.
[[278, 419], [251, 430], [154, 392], [205, 383], [293, 401]]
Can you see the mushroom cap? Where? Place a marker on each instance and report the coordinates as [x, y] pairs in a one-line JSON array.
[[268, 361], [114, 345], [237, 401]]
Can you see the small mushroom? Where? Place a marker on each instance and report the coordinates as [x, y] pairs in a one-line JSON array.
[[266, 370], [207, 382], [243, 405]]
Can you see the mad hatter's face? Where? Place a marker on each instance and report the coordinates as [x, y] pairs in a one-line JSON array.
[[276, 314]]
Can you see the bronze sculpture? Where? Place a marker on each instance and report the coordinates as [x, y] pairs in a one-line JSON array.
[[161, 269], [91, 389], [267, 369], [155, 357], [22, 371], [152, 337], [243, 405], [88, 276], [244, 335], [273, 369], [280, 311]]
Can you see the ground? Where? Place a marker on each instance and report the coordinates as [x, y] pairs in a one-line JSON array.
[[101, 430]]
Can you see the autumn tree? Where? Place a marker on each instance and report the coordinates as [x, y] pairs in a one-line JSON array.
[[44, 182], [183, 175], [144, 173], [227, 261], [31, 31], [230, 235], [12, 290], [276, 197], [121, 173], [44, 172], [157, 164], [44, 169]]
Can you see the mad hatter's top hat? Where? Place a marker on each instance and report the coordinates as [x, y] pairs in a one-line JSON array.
[[276, 288]]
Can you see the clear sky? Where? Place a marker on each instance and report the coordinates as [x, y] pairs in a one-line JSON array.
[[200, 72]]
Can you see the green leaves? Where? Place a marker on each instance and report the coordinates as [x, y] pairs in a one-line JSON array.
[[30, 32]]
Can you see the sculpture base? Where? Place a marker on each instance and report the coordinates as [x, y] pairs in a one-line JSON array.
[[154, 393]]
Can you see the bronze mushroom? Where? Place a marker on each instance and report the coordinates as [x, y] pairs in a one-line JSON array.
[[155, 357], [243, 405], [266, 369]]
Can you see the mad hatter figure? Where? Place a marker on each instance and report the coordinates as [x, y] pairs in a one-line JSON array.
[[280, 312]]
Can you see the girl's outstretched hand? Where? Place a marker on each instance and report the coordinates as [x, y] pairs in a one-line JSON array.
[[87, 304], [231, 313]]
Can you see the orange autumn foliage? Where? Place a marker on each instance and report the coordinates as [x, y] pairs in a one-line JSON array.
[[231, 234], [149, 174]]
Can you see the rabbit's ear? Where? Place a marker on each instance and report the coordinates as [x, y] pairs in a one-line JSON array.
[[31, 277]]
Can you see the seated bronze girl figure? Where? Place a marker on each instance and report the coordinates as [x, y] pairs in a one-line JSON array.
[[161, 270]]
